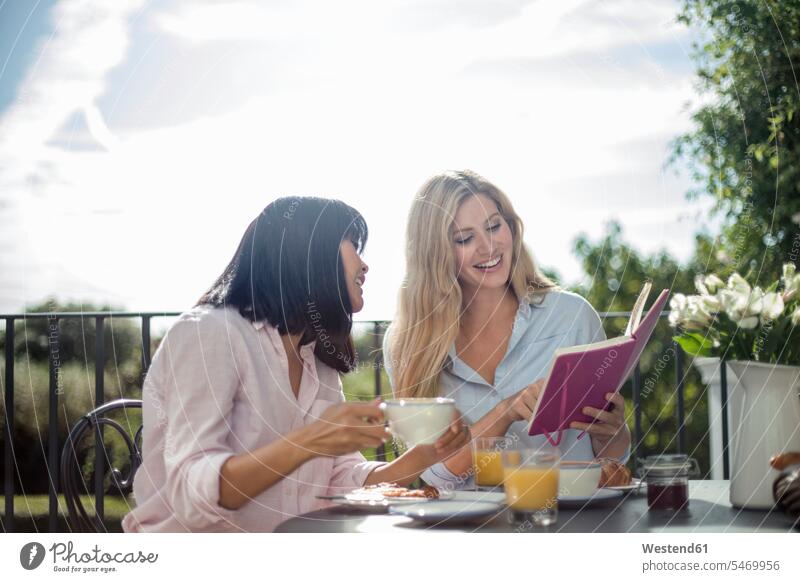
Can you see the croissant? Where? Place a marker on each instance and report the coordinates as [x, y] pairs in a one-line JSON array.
[[614, 474], [784, 460]]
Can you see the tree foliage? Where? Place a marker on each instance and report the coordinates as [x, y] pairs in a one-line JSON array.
[[743, 149]]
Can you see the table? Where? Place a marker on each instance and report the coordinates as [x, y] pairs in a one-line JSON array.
[[709, 511]]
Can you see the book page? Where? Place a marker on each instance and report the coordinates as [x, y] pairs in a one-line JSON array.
[[638, 308], [614, 341]]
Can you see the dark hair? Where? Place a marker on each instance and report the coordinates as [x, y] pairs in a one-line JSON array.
[[288, 272]]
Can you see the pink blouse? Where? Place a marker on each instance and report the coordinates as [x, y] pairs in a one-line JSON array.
[[219, 386]]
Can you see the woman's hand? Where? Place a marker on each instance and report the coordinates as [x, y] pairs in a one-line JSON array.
[[457, 436], [345, 428], [521, 405], [497, 421], [405, 469], [608, 426]]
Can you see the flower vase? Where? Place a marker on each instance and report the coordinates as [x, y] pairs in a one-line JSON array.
[[768, 424]]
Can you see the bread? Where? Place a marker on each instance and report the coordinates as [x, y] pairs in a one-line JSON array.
[[614, 474]]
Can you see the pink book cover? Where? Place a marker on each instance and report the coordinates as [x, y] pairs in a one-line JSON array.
[[581, 376]]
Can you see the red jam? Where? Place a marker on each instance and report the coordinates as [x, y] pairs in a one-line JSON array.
[[674, 496]]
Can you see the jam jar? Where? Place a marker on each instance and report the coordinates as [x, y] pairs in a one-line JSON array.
[[667, 478]]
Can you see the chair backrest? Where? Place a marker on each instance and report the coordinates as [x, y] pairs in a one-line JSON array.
[[72, 478]]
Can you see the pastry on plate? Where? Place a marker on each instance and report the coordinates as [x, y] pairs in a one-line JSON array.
[[393, 490], [614, 474]]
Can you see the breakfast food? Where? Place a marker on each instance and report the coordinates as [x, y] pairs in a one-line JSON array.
[[614, 474], [392, 490], [784, 460]]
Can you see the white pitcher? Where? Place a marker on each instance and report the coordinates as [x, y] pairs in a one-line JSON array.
[[769, 423]]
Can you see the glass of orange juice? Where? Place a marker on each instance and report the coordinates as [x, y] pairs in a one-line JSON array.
[[530, 477], [486, 462]]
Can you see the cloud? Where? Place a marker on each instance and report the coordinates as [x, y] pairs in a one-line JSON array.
[[612, 22], [202, 21], [619, 67], [215, 21], [66, 77], [160, 147]]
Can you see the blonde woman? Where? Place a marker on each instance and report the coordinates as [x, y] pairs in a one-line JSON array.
[[477, 321]]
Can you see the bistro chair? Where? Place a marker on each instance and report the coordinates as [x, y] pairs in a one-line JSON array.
[[75, 452]]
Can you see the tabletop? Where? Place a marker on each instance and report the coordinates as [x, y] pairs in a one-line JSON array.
[[709, 511]]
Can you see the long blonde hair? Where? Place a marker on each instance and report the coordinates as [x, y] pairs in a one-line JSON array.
[[429, 303]]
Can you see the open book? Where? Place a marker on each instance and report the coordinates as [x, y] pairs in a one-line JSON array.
[[580, 376]]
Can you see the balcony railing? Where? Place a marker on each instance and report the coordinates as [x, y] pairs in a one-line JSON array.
[[53, 445]]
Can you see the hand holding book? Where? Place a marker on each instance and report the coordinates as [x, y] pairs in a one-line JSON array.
[[581, 377], [608, 423]]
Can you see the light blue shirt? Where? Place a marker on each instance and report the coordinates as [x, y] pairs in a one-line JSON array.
[[561, 319]]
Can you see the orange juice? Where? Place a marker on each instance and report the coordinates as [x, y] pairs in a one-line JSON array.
[[488, 467], [531, 488]]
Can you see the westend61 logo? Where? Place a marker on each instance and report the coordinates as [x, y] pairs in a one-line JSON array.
[[66, 559]]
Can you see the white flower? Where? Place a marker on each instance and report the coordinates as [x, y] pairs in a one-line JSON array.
[[689, 312], [737, 283], [696, 315], [755, 302], [791, 282], [699, 284], [741, 305], [707, 285], [732, 303], [677, 312], [748, 323], [772, 306], [711, 303], [713, 283]]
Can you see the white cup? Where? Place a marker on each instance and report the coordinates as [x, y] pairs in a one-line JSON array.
[[419, 421], [579, 479]]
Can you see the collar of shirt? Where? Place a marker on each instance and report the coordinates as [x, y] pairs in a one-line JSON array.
[[458, 368], [309, 383], [272, 332]]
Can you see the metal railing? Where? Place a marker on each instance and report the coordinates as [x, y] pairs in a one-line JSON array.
[[53, 450]]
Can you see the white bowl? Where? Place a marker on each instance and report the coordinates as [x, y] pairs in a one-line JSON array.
[[419, 421], [579, 479]]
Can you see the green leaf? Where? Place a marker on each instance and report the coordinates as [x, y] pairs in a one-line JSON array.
[[694, 344]]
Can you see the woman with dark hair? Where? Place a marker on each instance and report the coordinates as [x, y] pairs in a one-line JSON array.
[[245, 422]]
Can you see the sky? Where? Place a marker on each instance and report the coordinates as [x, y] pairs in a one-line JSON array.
[[139, 138]]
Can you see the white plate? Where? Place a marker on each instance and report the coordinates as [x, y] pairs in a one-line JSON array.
[[486, 496], [581, 500], [377, 500], [447, 512], [635, 484], [499, 497]]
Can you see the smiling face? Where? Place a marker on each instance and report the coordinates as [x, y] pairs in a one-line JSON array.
[[355, 271], [482, 244]]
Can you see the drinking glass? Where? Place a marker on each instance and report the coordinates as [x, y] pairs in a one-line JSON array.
[[530, 478], [486, 462]]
